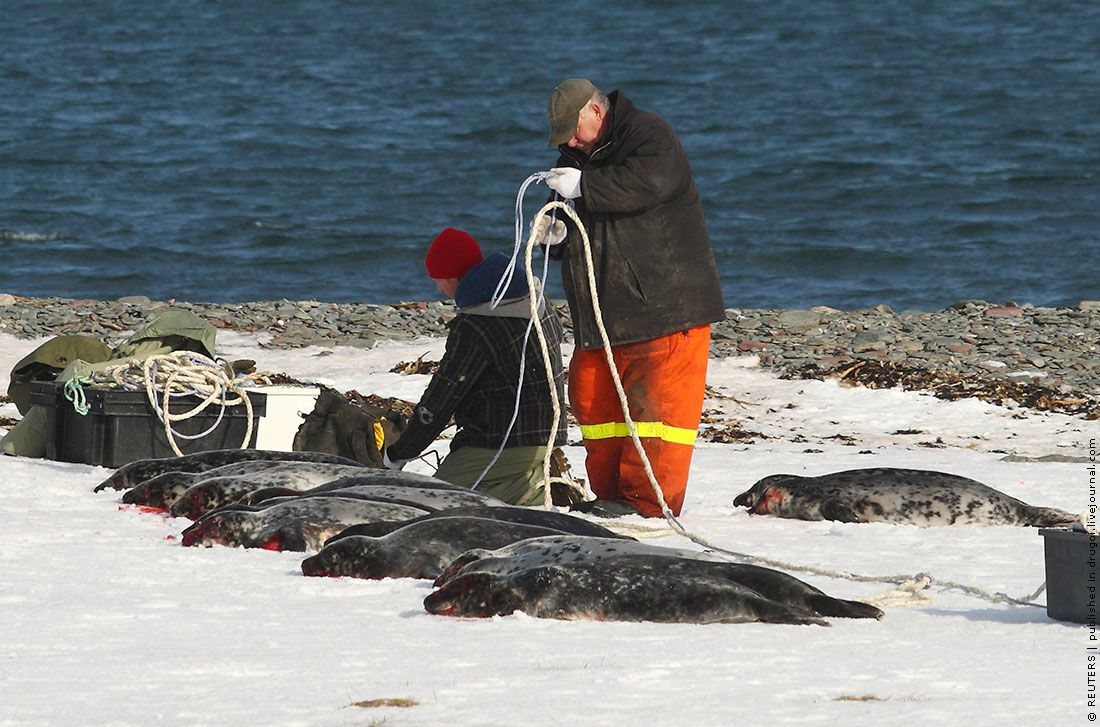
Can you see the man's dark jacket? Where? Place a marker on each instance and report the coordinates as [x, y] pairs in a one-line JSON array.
[[655, 271], [478, 375]]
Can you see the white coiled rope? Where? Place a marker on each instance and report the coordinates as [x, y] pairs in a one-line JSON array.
[[182, 373]]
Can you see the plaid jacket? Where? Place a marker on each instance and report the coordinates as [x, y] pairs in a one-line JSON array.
[[477, 380]]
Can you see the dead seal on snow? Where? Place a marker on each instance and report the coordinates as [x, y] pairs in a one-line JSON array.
[[163, 491], [565, 550], [365, 477], [427, 493], [552, 519], [638, 588], [300, 524], [428, 499], [133, 473], [555, 550], [208, 495], [893, 495], [420, 549]]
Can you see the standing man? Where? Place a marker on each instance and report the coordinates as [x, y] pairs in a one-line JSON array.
[[658, 291], [478, 378]]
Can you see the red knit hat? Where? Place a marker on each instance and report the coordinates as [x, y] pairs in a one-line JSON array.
[[451, 254]]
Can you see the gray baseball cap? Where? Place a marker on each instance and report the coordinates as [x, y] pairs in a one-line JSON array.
[[564, 108]]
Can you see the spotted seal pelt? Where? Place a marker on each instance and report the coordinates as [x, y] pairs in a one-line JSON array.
[[638, 588], [366, 477], [554, 550], [565, 550], [426, 498], [163, 491], [133, 473], [301, 524], [892, 495], [390, 485], [208, 495], [421, 549], [160, 491], [552, 519]]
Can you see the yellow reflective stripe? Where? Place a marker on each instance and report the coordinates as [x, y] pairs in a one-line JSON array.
[[603, 431], [379, 436], [659, 430]]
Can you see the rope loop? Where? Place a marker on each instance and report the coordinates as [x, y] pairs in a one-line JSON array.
[[169, 376], [536, 296], [74, 393]]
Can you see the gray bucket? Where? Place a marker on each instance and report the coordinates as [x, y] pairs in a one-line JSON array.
[[1071, 574]]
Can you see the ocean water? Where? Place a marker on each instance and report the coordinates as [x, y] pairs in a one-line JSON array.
[[848, 154]]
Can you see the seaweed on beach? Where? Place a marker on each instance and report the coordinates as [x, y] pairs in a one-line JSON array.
[[731, 433], [419, 366], [247, 367], [951, 386], [392, 403], [716, 426], [281, 379]]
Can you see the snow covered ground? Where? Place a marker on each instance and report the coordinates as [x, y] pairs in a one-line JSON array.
[[105, 619]]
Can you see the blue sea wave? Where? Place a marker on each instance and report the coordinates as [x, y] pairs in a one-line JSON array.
[[847, 155]]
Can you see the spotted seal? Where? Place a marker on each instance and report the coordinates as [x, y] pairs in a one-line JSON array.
[[365, 477], [133, 473], [893, 495], [428, 499], [403, 487], [552, 519], [636, 588], [208, 495], [300, 524], [163, 491], [565, 550], [420, 549]]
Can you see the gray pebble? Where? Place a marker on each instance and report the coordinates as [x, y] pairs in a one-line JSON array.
[[975, 338]]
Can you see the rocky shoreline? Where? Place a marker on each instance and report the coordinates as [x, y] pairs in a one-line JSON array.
[[1042, 358]]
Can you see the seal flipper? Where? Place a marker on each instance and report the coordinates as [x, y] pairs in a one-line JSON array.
[[1048, 517], [840, 608], [257, 497], [456, 565], [283, 538], [837, 510], [791, 617], [745, 499], [372, 530]]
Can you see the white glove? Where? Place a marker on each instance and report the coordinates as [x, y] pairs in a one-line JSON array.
[[389, 463], [555, 235], [567, 183]]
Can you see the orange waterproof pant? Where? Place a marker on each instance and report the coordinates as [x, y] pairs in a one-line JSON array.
[[664, 380]]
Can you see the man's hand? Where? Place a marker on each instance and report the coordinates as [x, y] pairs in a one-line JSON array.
[[391, 464], [555, 235], [566, 182]]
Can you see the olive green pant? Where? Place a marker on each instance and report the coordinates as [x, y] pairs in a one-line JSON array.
[[513, 478]]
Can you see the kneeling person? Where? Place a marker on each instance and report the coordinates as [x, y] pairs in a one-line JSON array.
[[478, 378]]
